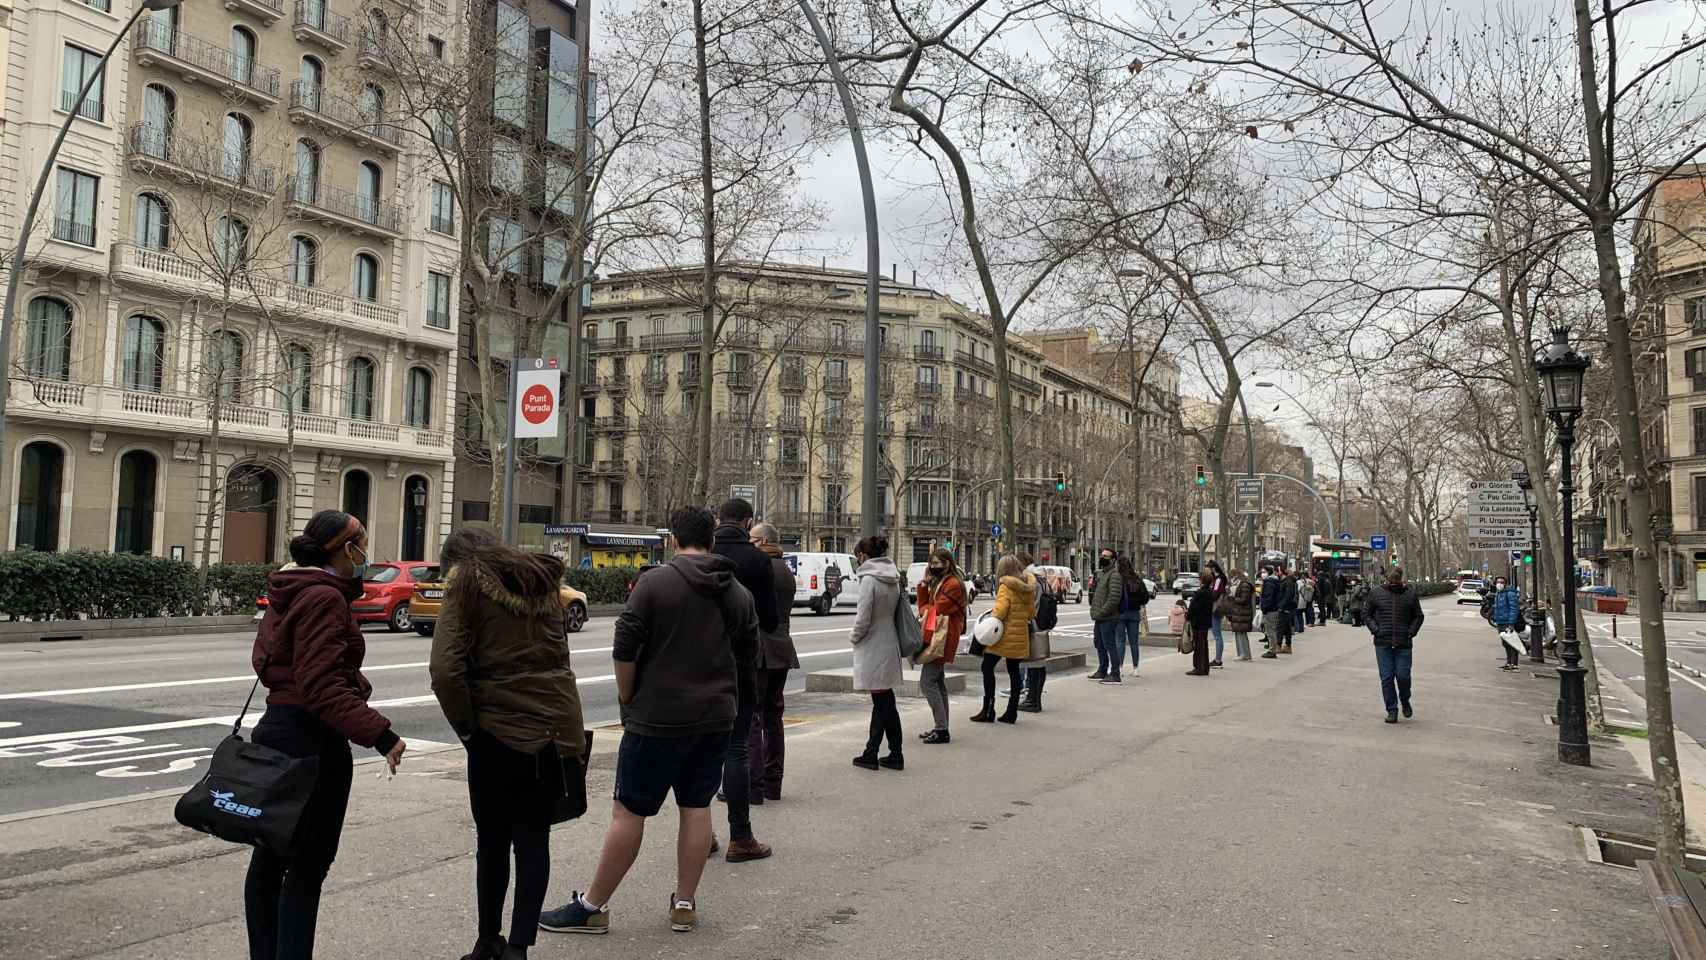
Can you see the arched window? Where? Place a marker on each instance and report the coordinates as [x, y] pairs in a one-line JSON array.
[[305, 185], [231, 239], [304, 260], [367, 277], [47, 339], [159, 114], [358, 491], [590, 331], [367, 183], [153, 222], [378, 27], [225, 365], [312, 73], [144, 354], [417, 398], [41, 470], [299, 371], [360, 389], [372, 102], [314, 13], [621, 331], [242, 54], [239, 139], [251, 515], [133, 521]]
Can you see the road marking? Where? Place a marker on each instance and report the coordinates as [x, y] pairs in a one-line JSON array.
[[112, 731]]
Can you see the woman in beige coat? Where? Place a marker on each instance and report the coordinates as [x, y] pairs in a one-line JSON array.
[[1015, 605]]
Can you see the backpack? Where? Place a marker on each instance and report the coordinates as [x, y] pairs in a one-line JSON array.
[[1137, 595], [1048, 611]]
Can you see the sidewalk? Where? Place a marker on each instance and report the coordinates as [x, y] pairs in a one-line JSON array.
[[1265, 811]]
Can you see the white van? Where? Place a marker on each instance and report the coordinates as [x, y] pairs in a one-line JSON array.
[[1074, 592], [813, 572], [915, 576]]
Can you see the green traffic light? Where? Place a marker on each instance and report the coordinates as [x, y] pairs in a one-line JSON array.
[[1201, 480], [1528, 558]]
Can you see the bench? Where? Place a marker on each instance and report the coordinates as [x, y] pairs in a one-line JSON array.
[[1680, 898]]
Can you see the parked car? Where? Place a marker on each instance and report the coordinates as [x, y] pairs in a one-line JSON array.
[[1469, 591], [387, 590], [1187, 584], [428, 603], [818, 575], [1071, 589]]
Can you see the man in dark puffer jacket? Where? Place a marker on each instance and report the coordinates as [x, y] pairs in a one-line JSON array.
[[1394, 617]]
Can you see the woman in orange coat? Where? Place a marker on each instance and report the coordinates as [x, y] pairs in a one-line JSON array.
[[943, 593], [1015, 605]]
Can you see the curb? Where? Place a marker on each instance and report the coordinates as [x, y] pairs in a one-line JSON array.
[[1675, 664]]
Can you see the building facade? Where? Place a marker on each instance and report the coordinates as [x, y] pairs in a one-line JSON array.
[[787, 406], [228, 318]]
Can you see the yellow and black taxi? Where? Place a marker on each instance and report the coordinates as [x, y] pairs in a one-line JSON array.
[[429, 600]]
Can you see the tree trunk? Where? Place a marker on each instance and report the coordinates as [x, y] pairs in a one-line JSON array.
[[708, 280]]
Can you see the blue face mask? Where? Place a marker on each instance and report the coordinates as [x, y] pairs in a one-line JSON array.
[[359, 570]]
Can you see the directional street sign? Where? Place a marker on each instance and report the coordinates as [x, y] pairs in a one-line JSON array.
[[1377, 542], [1247, 495], [995, 529], [1497, 518], [743, 491]]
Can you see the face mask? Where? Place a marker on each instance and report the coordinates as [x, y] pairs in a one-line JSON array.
[[1499, 586], [935, 571], [359, 569], [1105, 562]]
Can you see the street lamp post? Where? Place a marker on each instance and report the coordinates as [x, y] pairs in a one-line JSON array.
[[1536, 621], [7, 314], [1561, 370]]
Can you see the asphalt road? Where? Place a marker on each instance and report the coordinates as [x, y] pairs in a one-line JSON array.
[[99, 720], [1685, 642]]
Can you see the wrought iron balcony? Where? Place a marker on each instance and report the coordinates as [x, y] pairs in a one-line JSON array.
[[315, 24], [198, 59]]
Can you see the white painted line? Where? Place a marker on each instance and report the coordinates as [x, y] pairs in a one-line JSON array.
[[111, 731], [163, 684]]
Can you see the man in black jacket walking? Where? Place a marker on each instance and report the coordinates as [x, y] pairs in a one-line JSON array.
[[733, 540], [1394, 616]]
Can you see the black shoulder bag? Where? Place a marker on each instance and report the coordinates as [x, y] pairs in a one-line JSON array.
[[251, 793]]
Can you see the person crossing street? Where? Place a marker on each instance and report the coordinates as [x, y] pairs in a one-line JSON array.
[[1394, 617]]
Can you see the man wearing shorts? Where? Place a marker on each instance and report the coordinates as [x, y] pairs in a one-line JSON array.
[[686, 632]]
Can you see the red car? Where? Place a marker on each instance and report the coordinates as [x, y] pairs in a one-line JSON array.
[[387, 589]]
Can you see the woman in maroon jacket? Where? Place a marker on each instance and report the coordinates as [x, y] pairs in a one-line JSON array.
[[308, 653], [944, 592]]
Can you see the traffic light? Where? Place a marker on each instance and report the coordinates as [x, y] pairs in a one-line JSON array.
[[1527, 557], [1060, 483], [1202, 478], [948, 545]]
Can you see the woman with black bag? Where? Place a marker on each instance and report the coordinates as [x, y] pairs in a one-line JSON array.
[[308, 653], [500, 669]]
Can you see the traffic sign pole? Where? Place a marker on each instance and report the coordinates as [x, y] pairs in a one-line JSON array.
[[509, 458]]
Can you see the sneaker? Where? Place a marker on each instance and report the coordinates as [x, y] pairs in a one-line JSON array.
[[1408, 713], [893, 761], [1270, 655], [1392, 716], [1029, 707], [1098, 675], [865, 761], [573, 917], [1111, 678], [937, 736], [683, 915]]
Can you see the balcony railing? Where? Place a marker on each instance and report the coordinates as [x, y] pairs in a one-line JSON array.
[[791, 423], [316, 24], [198, 159], [931, 521], [837, 386], [670, 341], [967, 359], [344, 114], [238, 72], [1024, 384], [614, 424], [927, 352], [688, 379], [617, 384], [88, 107], [609, 344], [267, 11], [927, 390], [346, 205], [833, 423], [168, 271], [741, 379], [74, 231], [655, 379], [792, 379], [791, 468]]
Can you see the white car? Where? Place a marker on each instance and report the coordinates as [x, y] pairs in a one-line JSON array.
[[1074, 592], [915, 576], [814, 572], [1469, 591], [1186, 585]]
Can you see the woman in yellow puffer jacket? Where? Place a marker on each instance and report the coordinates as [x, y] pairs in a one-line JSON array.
[[1015, 605]]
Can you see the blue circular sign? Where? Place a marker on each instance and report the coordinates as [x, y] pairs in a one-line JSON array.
[[995, 529]]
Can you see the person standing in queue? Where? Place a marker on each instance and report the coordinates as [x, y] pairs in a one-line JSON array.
[[876, 650], [1200, 618], [1240, 616], [776, 656], [942, 610], [1134, 609], [500, 670], [1216, 584], [308, 653], [1015, 605], [687, 632], [1105, 599], [733, 539]]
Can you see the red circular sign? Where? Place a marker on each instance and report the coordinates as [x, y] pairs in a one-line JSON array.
[[536, 402]]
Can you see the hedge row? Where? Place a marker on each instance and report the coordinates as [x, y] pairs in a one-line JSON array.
[[1433, 588], [83, 584], [607, 585]]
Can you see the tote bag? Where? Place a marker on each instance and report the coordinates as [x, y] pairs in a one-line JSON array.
[[907, 630], [251, 794]]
